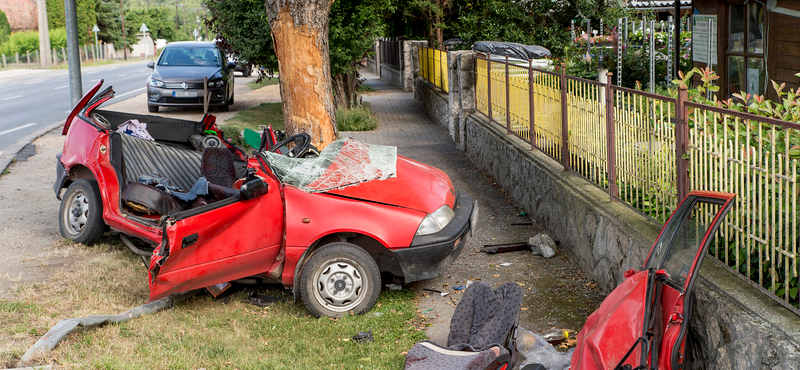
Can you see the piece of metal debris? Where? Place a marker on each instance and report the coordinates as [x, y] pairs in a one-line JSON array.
[[363, 336], [394, 286], [260, 300]]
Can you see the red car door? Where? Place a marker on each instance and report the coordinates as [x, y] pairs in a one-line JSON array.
[[679, 251], [226, 243]]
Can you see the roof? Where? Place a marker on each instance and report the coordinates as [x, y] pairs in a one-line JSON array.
[[191, 44], [645, 4]]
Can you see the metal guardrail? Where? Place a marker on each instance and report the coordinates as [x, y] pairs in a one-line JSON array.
[[649, 151], [433, 67]]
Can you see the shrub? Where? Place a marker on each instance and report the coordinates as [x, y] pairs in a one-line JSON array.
[[358, 118], [21, 42], [5, 28]]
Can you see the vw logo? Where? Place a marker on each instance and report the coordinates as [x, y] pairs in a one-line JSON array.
[[185, 85]]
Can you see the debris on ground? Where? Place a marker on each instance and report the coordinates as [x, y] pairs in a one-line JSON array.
[[217, 289], [503, 248], [537, 350], [260, 300], [394, 286], [363, 336], [543, 245]]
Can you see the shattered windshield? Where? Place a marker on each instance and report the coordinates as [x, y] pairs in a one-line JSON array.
[[343, 163]]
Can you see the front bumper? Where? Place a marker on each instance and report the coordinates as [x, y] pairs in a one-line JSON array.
[[164, 97], [61, 176], [430, 255]]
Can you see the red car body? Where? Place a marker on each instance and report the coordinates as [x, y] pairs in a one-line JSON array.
[[271, 236]]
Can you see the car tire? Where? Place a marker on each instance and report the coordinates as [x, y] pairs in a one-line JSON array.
[[340, 278], [225, 107], [230, 101], [152, 108], [81, 213]]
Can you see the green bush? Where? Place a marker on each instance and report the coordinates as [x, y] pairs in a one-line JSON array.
[[21, 42], [5, 28], [358, 118]]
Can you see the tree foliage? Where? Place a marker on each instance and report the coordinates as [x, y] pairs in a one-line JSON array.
[[159, 20], [86, 18], [242, 29], [107, 13], [5, 28], [354, 25]]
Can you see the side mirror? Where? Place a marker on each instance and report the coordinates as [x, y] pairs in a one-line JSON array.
[[253, 188], [231, 65], [150, 65]]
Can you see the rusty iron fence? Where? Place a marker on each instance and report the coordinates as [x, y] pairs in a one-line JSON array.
[[433, 67], [649, 151]]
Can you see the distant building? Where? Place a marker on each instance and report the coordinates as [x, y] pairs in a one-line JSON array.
[[662, 8], [22, 14]]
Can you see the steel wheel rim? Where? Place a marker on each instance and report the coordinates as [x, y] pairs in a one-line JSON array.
[[340, 285], [77, 213]]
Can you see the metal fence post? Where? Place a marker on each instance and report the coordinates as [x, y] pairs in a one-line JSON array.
[[613, 192], [508, 100], [531, 109], [28, 58], [564, 120], [681, 144], [489, 83]]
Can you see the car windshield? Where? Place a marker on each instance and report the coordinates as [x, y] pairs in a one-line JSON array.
[[342, 163], [195, 57]]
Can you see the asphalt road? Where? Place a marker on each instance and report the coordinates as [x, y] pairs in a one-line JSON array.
[[32, 102]]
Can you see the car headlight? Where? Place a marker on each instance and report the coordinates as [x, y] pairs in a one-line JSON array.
[[216, 83], [155, 83], [436, 221]]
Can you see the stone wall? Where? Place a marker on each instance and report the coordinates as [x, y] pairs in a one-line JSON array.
[[734, 326], [21, 14]]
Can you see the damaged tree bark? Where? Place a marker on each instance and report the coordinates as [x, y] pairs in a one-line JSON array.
[[300, 35]]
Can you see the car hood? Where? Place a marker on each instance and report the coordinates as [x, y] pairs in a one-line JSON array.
[[184, 74], [417, 186]]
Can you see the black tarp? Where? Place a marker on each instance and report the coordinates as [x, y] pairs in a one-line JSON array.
[[511, 49]]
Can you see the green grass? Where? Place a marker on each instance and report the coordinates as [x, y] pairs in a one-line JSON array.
[[266, 81], [252, 118], [359, 118], [201, 332]]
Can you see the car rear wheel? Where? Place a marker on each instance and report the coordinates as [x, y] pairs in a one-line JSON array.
[[340, 278], [152, 108], [81, 213]]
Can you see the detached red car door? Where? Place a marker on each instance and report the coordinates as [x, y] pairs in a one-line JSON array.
[[222, 244]]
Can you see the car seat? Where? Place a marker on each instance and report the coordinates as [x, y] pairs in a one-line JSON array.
[[482, 332]]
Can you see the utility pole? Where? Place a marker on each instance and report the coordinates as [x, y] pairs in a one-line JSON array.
[[124, 37], [44, 36], [75, 88]]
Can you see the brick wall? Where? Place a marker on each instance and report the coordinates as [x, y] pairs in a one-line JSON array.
[[21, 14]]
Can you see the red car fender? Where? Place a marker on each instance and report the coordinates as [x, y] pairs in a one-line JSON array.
[[394, 227]]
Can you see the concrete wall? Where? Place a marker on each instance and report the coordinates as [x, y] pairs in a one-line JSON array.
[[734, 326], [391, 75]]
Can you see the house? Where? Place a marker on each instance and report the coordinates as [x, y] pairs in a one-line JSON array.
[[21, 14], [756, 41]]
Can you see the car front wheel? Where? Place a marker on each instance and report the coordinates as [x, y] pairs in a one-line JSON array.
[[339, 278], [81, 213]]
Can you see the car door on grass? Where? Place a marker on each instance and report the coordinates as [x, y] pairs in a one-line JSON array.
[[223, 244]]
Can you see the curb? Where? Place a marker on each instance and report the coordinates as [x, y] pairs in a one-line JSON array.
[[12, 150]]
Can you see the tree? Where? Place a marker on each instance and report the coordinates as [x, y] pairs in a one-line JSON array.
[[242, 29], [5, 28], [86, 18], [109, 22], [300, 35]]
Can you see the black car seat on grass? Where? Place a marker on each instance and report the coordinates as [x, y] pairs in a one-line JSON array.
[[481, 332]]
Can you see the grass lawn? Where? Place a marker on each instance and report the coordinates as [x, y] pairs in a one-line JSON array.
[[201, 332], [266, 81]]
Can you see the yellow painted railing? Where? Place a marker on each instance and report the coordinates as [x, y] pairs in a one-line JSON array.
[[636, 156], [433, 67]]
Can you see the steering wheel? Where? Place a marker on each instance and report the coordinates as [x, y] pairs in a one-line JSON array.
[[302, 143]]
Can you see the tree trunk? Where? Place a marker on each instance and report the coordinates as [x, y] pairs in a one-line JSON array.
[[344, 90], [300, 35]]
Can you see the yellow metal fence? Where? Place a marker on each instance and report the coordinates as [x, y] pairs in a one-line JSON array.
[[433, 67], [726, 151]]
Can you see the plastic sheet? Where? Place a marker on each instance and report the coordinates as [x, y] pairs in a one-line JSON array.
[[343, 163], [512, 50], [537, 351]]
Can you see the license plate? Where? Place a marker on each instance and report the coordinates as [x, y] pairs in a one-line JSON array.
[[184, 94]]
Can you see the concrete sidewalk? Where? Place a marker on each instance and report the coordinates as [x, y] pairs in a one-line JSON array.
[[555, 292]]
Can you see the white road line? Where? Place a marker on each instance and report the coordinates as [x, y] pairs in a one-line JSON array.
[[1, 152], [34, 82], [61, 87], [18, 128], [91, 73], [95, 80], [122, 75], [12, 97], [69, 111], [130, 92]]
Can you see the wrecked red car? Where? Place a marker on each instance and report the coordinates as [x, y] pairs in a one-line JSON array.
[[331, 227]]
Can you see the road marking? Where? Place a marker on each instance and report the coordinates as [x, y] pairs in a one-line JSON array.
[[61, 87], [34, 82], [1, 152], [91, 73], [12, 97], [18, 128], [95, 80], [69, 111], [131, 92], [123, 75]]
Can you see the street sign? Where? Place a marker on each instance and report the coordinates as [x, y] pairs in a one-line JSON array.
[[143, 29], [95, 29]]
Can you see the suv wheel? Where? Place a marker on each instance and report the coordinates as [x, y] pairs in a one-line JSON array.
[[81, 212], [339, 278]]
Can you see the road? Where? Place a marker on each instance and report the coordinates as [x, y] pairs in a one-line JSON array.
[[32, 102]]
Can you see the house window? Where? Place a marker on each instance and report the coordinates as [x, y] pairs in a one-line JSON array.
[[745, 53]]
